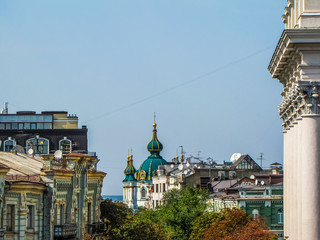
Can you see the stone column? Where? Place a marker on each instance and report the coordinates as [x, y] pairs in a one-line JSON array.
[[310, 177]]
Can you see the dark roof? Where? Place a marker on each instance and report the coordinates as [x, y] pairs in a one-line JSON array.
[[276, 163], [249, 160]]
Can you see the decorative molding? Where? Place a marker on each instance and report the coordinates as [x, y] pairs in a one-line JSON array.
[[301, 99]]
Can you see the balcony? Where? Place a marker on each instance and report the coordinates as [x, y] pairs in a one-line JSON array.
[[65, 231], [97, 228]]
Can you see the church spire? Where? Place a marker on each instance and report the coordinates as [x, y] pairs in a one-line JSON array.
[[130, 170], [154, 146]]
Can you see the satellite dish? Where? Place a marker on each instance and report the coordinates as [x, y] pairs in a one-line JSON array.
[[172, 165], [262, 182], [256, 182], [20, 149], [30, 151], [235, 157], [185, 171], [188, 164], [58, 154], [180, 167], [252, 177]]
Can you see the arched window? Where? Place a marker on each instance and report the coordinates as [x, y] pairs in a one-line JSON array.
[[143, 192], [255, 213], [9, 144], [280, 216], [65, 145], [39, 145]]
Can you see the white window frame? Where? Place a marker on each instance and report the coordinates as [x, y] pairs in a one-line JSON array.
[[65, 139], [38, 138], [9, 139]]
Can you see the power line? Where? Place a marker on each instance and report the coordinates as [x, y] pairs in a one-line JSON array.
[[228, 65]]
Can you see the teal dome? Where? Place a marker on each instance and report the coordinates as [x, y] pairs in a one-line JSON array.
[[150, 165], [130, 170], [154, 146]]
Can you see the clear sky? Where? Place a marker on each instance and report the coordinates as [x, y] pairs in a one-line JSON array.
[[201, 65]]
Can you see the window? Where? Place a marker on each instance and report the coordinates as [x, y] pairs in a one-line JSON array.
[[89, 212], [65, 145], [8, 145], [56, 215], [255, 213], [143, 192], [61, 214], [10, 217], [39, 145], [164, 187], [280, 216], [30, 217], [157, 188]]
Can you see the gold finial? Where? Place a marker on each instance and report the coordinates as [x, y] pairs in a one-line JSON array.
[[182, 155]]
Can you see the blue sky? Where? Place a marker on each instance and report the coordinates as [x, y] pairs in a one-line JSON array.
[[200, 65]]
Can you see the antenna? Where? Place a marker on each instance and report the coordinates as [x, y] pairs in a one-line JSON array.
[[154, 117], [58, 155], [5, 109], [261, 158], [198, 154], [30, 151]]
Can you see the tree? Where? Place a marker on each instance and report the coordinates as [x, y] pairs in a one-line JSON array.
[[252, 231], [124, 225], [115, 213], [201, 224], [180, 209], [235, 224], [136, 228]]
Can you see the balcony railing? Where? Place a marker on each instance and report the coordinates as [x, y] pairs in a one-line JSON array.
[[96, 228], [65, 231]]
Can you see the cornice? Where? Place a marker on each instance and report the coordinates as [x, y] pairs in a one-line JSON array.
[[291, 41]]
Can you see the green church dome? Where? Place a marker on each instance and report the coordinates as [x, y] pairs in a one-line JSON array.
[[150, 165], [130, 170], [154, 146]]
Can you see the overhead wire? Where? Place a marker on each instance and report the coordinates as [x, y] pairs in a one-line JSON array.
[[182, 84]]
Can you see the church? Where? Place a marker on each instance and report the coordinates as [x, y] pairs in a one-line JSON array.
[[137, 185]]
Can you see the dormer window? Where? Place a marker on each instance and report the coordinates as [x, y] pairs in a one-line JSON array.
[[38, 144], [9, 145], [65, 145]]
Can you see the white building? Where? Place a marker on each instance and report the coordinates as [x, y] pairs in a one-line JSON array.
[[296, 64]]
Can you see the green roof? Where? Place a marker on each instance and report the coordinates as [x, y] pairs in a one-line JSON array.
[[130, 170], [150, 165]]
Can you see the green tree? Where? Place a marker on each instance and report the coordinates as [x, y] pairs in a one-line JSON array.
[[114, 213], [136, 228], [180, 209], [202, 223]]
